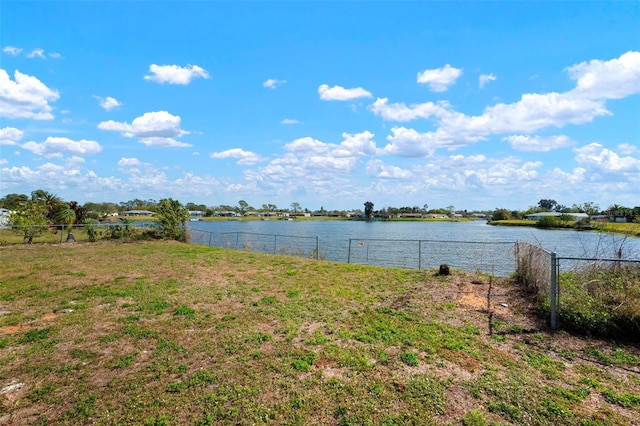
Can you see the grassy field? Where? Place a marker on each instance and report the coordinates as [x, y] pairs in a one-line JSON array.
[[165, 333]]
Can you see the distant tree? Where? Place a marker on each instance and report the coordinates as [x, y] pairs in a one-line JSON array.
[[66, 216], [196, 207], [79, 211], [450, 211], [368, 209], [547, 204], [14, 201], [51, 203], [295, 207], [243, 206], [30, 220], [589, 208], [173, 217], [501, 214], [425, 208]]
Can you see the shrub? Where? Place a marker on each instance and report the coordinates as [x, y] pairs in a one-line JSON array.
[[548, 222]]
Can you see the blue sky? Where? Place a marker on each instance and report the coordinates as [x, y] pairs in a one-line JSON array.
[[476, 105]]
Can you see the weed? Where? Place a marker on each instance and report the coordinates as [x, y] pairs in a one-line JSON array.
[[185, 311], [627, 400], [35, 335], [82, 410], [474, 418], [304, 362], [175, 387], [410, 358], [268, 300], [124, 361], [40, 393]]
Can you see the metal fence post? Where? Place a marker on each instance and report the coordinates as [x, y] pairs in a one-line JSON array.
[[349, 252], [275, 243], [317, 248], [419, 255], [553, 299]]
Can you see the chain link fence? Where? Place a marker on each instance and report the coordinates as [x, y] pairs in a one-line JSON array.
[[591, 295], [302, 246], [599, 296], [59, 234], [494, 258]]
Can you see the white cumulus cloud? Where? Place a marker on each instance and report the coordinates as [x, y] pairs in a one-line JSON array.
[[402, 112], [439, 79], [25, 97], [613, 79], [175, 74], [245, 158], [56, 147], [411, 143], [158, 128], [36, 53], [11, 50], [380, 170], [485, 78], [289, 121], [538, 143], [272, 83], [597, 157], [628, 149], [10, 136], [129, 162], [339, 93], [108, 103]]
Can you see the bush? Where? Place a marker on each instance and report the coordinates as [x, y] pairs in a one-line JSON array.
[[173, 218], [602, 300], [548, 222]]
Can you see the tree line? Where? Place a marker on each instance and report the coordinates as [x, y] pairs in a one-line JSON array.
[[591, 209], [34, 215], [59, 211]]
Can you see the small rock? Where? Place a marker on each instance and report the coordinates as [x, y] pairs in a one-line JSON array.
[[11, 388]]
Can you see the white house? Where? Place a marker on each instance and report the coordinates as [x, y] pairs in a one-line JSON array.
[[4, 216]]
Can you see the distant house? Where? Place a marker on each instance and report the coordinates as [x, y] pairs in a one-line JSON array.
[[411, 215], [436, 216], [539, 215], [4, 217], [138, 213], [227, 213]]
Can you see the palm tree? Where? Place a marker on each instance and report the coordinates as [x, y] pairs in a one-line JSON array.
[[51, 202], [67, 216]]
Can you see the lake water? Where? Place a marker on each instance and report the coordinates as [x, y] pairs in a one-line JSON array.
[[471, 245]]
